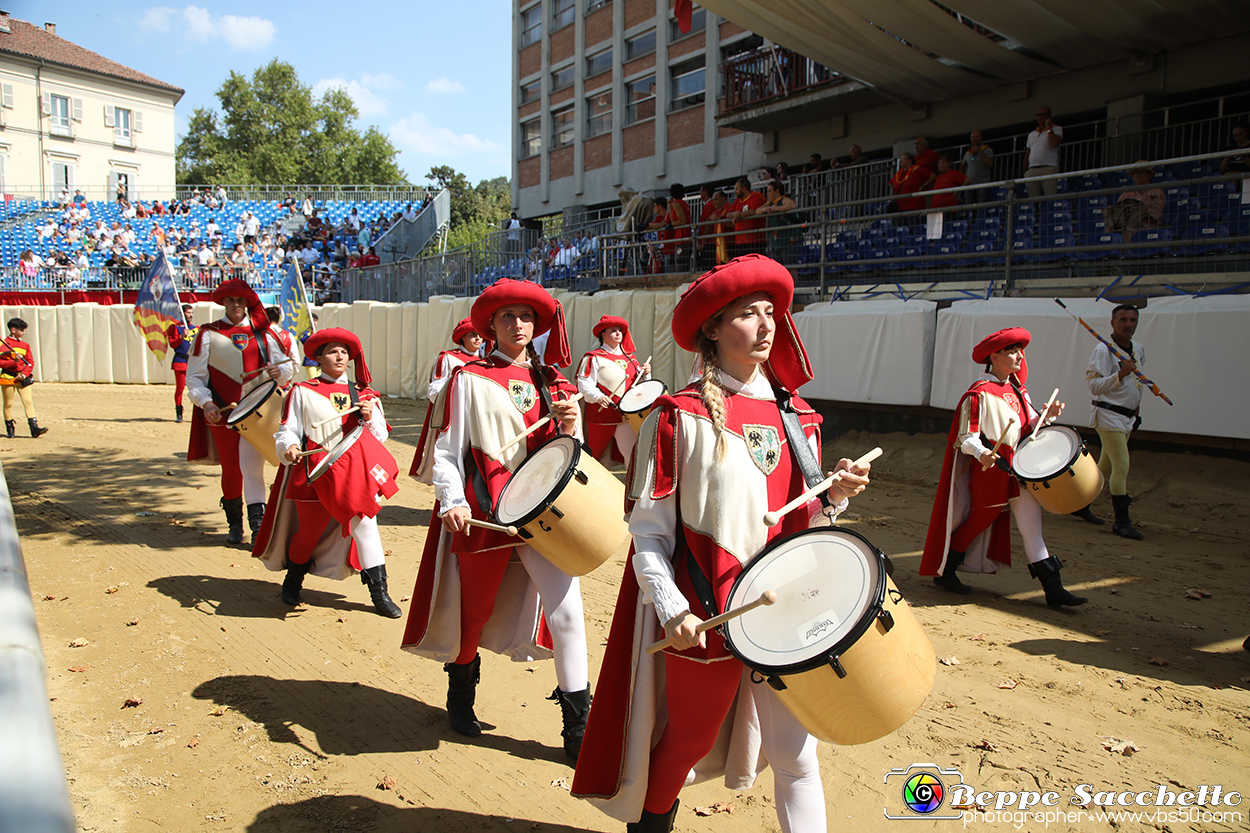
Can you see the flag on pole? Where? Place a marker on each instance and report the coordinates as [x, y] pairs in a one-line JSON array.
[[157, 306], [296, 316]]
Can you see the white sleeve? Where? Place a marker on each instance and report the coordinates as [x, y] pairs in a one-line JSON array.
[[291, 432], [278, 352], [197, 375], [970, 443], [588, 384], [653, 525], [442, 373], [377, 422], [1103, 373], [449, 451]]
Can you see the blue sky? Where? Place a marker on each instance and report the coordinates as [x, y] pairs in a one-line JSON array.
[[436, 77]]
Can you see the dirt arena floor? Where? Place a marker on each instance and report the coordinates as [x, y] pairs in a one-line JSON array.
[[254, 716]]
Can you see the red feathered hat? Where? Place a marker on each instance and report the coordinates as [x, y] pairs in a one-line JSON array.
[[464, 328], [998, 341], [236, 288], [609, 321], [355, 351], [548, 315], [787, 363]]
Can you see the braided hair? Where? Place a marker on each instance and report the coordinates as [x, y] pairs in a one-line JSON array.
[[712, 392]]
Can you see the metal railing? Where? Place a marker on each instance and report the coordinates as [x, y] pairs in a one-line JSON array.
[[53, 278], [34, 796], [770, 72], [236, 193]]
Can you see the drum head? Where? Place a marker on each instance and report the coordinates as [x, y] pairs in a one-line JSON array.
[[540, 477], [252, 400], [338, 450], [829, 585], [642, 395], [1046, 453]]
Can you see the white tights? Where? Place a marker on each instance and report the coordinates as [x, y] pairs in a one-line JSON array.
[[252, 467], [791, 752], [561, 597], [368, 542], [1028, 516], [625, 437]]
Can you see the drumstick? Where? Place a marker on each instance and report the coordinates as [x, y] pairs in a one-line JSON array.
[[1046, 407], [336, 416], [994, 450], [773, 518], [529, 430], [511, 530], [267, 367], [766, 598], [310, 452]]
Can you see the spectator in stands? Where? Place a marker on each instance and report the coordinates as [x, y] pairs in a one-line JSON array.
[[221, 193], [205, 257], [926, 157], [855, 157], [673, 223], [749, 238], [944, 177], [309, 255], [29, 265], [306, 208], [785, 236], [48, 229], [782, 174], [371, 258], [79, 199], [978, 165], [1042, 156], [814, 164], [158, 208], [568, 255], [62, 198], [513, 237], [908, 179], [251, 228], [1141, 208], [239, 261], [410, 212], [534, 266], [1238, 162]]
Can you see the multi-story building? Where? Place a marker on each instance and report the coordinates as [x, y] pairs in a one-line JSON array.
[[71, 119]]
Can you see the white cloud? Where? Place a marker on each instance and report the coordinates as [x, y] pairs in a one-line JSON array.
[[199, 25], [444, 86], [368, 102], [427, 144]]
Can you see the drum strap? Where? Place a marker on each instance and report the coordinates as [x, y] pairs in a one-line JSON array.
[[799, 447], [702, 587], [480, 492]]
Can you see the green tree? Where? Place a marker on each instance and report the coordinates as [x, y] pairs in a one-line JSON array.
[[271, 130], [475, 211]]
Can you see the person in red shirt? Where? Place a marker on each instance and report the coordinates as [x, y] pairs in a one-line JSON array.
[[17, 369], [908, 179], [370, 258], [678, 220], [750, 236], [944, 177], [926, 157]]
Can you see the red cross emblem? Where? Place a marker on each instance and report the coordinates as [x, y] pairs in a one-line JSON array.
[[378, 473]]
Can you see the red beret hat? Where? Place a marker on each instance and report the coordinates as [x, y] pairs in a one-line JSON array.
[[236, 288], [999, 340], [548, 315], [316, 342], [609, 321], [463, 328], [787, 363]]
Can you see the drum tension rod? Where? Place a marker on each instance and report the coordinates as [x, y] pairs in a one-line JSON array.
[[581, 476], [886, 620]]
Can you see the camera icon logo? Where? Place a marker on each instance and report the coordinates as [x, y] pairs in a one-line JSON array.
[[920, 792]]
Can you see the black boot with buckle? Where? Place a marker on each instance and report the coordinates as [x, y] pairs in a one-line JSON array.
[[1123, 526], [1088, 516], [1047, 572], [255, 517], [949, 579], [462, 683], [294, 582], [35, 430], [575, 707], [375, 579], [177, 413], [654, 822], [234, 519], [10, 425]]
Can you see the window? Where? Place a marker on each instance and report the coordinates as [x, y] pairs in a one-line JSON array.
[[531, 25], [531, 138], [59, 116], [562, 127], [121, 127], [698, 22], [62, 176], [595, 5], [599, 113], [601, 62], [561, 78], [640, 100], [639, 46], [688, 84], [531, 91], [562, 13]]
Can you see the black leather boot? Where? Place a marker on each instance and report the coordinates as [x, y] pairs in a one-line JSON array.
[[255, 517], [1088, 516], [294, 582], [1123, 526], [949, 579], [177, 413], [375, 579], [234, 519], [35, 430], [654, 822], [1047, 572], [575, 707], [462, 683], [10, 425]]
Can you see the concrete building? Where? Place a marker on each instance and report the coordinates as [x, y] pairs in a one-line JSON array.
[[70, 118]]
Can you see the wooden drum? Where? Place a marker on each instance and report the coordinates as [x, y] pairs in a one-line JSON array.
[[637, 402], [1056, 467], [566, 505], [257, 418]]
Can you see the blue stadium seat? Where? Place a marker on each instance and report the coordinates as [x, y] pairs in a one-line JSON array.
[[1045, 253], [1111, 240], [1212, 239], [1151, 236], [1086, 183]]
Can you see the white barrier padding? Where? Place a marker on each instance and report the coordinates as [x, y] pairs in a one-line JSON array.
[[870, 351]]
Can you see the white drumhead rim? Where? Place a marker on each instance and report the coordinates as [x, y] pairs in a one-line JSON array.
[[1044, 444], [518, 510], [812, 634], [245, 408], [336, 451], [637, 392]]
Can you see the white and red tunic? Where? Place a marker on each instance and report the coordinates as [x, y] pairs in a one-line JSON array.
[[447, 361], [603, 377], [990, 409], [487, 402], [690, 502], [361, 487]]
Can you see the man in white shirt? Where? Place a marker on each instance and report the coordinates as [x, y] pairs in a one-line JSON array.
[[568, 255], [1042, 157]]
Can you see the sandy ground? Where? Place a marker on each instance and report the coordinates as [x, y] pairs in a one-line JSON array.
[[253, 716]]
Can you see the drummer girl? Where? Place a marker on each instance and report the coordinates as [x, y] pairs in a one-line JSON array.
[[301, 533], [468, 347], [470, 591], [968, 526], [710, 462], [605, 374]]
